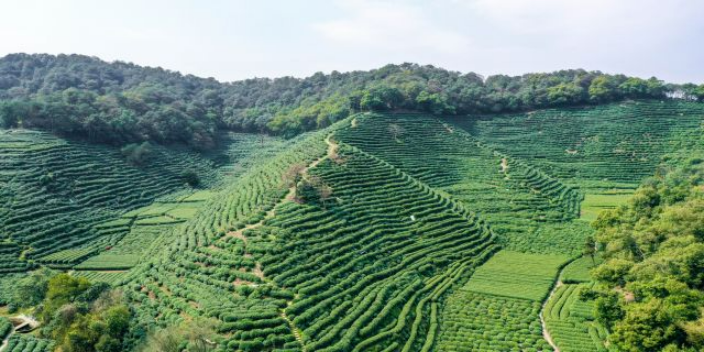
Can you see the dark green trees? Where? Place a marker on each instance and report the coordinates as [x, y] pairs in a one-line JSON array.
[[653, 275], [123, 103]]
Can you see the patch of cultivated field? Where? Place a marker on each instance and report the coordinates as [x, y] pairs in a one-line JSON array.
[[517, 275], [432, 234], [596, 203]]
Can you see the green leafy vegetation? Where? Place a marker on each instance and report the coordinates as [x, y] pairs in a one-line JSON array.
[[529, 210], [83, 209], [517, 275], [75, 314], [122, 103], [652, 296], [5, 327], [479, 322], [570, 320], [89, 185], [29, 344], [425, 223], [595, 203], [579, 271]]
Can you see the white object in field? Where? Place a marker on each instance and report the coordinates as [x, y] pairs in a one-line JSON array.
[[413, 218]]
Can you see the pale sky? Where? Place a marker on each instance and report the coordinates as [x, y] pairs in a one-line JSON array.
[[237, 39]]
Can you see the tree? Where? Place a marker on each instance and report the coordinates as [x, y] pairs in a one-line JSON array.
[[602, 88], [371, 102], [395, 131], [565, 94], [313, 188], [195, 336], [655, 261], [191, 178], [199, 334], [81, 336], [699, 93], [590, 248], [634, 88], [434, 103], [325, 191], [62, 289], [107, 343], [293, 176], [608, 309], [138, 154], [31, 290], [117, 321], [11, 113], [118, 104], [163, 340]]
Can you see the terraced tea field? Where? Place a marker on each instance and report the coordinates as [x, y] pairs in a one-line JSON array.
[[28, 344], [145, 228], [517, 275], [63, 200], [527, 208], [610, 146], [389, 233], [569, 319], [55, 191], [594, 203], [456, 234], [478, 322], [204, 272]]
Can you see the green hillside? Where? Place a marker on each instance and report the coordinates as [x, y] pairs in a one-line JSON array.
[[381, 232], [62, 199]]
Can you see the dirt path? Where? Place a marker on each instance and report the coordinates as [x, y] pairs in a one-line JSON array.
[[4, 343], [558, 283], [504, 165], [546, 333], [294, 329], [332, 151], [447, 127], [26, 320]]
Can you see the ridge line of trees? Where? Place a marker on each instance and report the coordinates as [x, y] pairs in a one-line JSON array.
[[120, 103]]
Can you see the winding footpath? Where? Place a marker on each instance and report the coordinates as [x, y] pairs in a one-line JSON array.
[[26, 320], [290, 196], [558, 283], [546, 333]]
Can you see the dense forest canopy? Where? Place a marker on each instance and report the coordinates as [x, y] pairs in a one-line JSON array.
[[653, 277], [122, 103]]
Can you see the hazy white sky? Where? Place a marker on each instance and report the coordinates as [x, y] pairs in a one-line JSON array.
[[238, 39]]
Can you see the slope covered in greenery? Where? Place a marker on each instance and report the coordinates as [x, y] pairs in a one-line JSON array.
[[651, 281], [528, 209], [603, 147], [381, 232], [62, 198]]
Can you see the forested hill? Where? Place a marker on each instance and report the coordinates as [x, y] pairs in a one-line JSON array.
[[120, 103]]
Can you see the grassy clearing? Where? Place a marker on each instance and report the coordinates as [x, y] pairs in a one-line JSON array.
[[108, 261]]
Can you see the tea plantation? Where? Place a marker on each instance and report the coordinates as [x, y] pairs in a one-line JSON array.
[[381, 232]]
